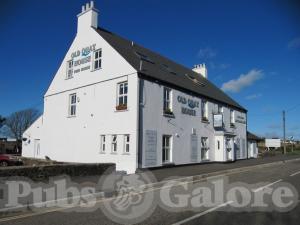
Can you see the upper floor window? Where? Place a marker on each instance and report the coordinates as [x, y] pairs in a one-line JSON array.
[[122, 97], [97, 59], [204, 110], [232, 117], [166, 148], [102, 143], [114, 143], [220, 109], [167, 101], [70, 69], [126, 143], [72, 104]]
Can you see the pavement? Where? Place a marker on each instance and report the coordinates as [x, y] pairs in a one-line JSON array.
[[178, 202]]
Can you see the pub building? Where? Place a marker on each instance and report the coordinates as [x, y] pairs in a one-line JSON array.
[[112, 100]]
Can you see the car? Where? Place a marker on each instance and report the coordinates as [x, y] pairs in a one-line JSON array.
[[9, 160]]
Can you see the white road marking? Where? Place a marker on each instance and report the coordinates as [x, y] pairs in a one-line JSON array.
[[202, 213], [294, 174], [268, 185]]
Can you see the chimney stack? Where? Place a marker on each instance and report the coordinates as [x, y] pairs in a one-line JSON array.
[[87, 18], [201, 69]]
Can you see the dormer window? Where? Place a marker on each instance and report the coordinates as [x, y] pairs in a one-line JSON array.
[[70, 69], [97, 59]]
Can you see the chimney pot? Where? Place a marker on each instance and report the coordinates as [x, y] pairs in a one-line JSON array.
[[87, 6], [92, 4], [82, 8]]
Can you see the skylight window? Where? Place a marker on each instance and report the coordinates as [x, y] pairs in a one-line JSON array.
[[144, 57], [166, 67], [197, 82]]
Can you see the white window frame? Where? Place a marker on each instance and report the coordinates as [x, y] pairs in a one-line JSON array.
[[228, 144], [122, 94], [167, 149], [70, 66], [204, 148], [72, 109], [220, 109], [97, 59], [102, 144], [126, 143], [114, 144], [204, 108], [232, 117], [167, 100]]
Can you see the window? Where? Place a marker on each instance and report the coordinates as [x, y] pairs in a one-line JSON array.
[[114, 144], [122, 96], [126, 143], [97, 59], [167, 101], [204, 110], [69, 69], [220, 109], [72, 104], [232, 119], [204, 148], [218, 145], [166, 148], [102, 143], [228, 144]]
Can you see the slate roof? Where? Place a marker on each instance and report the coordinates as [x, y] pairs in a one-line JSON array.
[[157, 67], [251, 136]]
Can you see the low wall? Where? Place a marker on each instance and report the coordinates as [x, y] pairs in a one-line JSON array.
[[41, 172]]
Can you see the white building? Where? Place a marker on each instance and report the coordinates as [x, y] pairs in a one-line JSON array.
[[113, 100]]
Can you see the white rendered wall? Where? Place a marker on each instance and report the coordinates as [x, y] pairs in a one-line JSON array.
[[77, 139], [34, 132], [181, 126]]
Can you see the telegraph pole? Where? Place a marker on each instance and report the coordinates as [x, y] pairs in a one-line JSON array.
[[284, 141]]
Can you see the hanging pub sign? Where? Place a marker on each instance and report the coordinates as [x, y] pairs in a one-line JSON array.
[[190, 105], [218, 120]]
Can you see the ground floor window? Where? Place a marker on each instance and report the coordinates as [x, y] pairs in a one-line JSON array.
[[102, 143], [228, 145], [126, 143], [166, 148], [204, 148], [114, 143]]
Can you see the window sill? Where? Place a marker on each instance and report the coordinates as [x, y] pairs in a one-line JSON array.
[[71, 116], [69, 78], [102, 153], [113, 153], [126, 153], [169, 115], [122, 110], [205, 120], [93, 70]]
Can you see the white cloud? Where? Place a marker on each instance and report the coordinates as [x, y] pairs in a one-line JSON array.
[[206, 53], [254, 96], [243, 81], [295, 43]]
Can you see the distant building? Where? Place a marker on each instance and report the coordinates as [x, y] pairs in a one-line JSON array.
[[252, 145], [10, 146], [113, 100]]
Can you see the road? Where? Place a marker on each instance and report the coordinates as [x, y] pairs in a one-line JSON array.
[[185, 205]]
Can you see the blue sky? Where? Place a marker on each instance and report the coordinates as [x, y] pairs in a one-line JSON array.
[[251, 48]]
